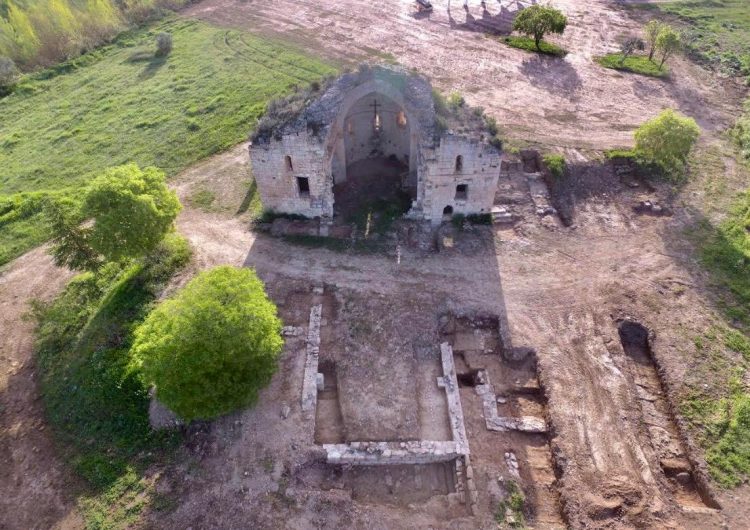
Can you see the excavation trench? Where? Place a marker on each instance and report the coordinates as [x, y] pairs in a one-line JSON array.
[[689, 488]]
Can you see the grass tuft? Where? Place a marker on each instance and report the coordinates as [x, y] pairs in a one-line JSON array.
[[527, 44], [637, 64]]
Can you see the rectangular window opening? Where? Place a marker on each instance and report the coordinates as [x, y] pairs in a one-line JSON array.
[[303, 186], [462, 192]]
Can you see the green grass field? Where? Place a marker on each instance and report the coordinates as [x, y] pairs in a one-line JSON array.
[[119, 104], [637, 64], [718, 31]]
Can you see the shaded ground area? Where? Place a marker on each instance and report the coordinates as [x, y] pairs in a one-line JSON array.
[[36, 488], [535, 99], [368, 181]]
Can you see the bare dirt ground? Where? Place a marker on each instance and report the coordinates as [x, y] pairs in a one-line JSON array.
[[534, 98], [562, 291], [35, 487]]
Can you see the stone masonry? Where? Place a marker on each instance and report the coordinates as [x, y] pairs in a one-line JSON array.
[[304, 146]]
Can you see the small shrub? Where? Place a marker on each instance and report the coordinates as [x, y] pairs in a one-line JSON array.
[[8, 75], [163, 44], [479, 218], [556, 164], [666, 142], [491, 124], [269, 216], [456, 100], [458, 220], [496, 141], [626, 154]]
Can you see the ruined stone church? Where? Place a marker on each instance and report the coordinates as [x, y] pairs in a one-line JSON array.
[[367, 135]]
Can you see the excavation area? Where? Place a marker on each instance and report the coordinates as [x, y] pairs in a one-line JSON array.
[[455, 385]]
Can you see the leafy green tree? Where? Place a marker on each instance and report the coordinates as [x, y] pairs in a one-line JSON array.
[[212, 347], [132, 210], [651, 32], [536, 21], [70, 243], [669, 41], [666, 141], [124, 213]]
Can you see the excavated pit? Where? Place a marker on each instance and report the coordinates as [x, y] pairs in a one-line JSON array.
[[329, 424], [505, 413], [662, 430]]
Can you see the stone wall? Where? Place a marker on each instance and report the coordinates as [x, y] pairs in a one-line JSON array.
[[363, 142], [440, 175], [312, 356], [391, 453], [277, 183]]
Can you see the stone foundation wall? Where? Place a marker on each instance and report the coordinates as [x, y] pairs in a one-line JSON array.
[[391, 453], [312, 356]]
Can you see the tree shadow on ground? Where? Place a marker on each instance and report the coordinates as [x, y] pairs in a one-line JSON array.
[[252, 192], [500, 23], [554, 75], [153, 63]]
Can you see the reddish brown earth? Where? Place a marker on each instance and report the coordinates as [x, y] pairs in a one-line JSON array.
[[570, 102], [36, 488]]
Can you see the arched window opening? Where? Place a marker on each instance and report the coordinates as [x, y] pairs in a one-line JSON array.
[[350, 127], [459, 163], [401, 119], [288, 162], [448, 211], [376, 124]]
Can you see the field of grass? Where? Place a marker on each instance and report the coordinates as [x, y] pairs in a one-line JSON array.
[[95, 401], [637, 64], [120, 104], [718, 31], [528, 44], [721, 415]]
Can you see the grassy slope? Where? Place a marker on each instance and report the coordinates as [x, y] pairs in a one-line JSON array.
[[720, 31], [119, 104], [716, 401]]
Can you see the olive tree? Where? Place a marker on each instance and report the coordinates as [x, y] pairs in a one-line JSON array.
[[666, 141], [211, 348], [536, 21]]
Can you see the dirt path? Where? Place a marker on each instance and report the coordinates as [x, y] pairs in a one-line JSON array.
[[534, 98], [35, 486]]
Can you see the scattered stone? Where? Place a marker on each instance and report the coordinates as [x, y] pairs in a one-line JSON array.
[[285, 410]]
